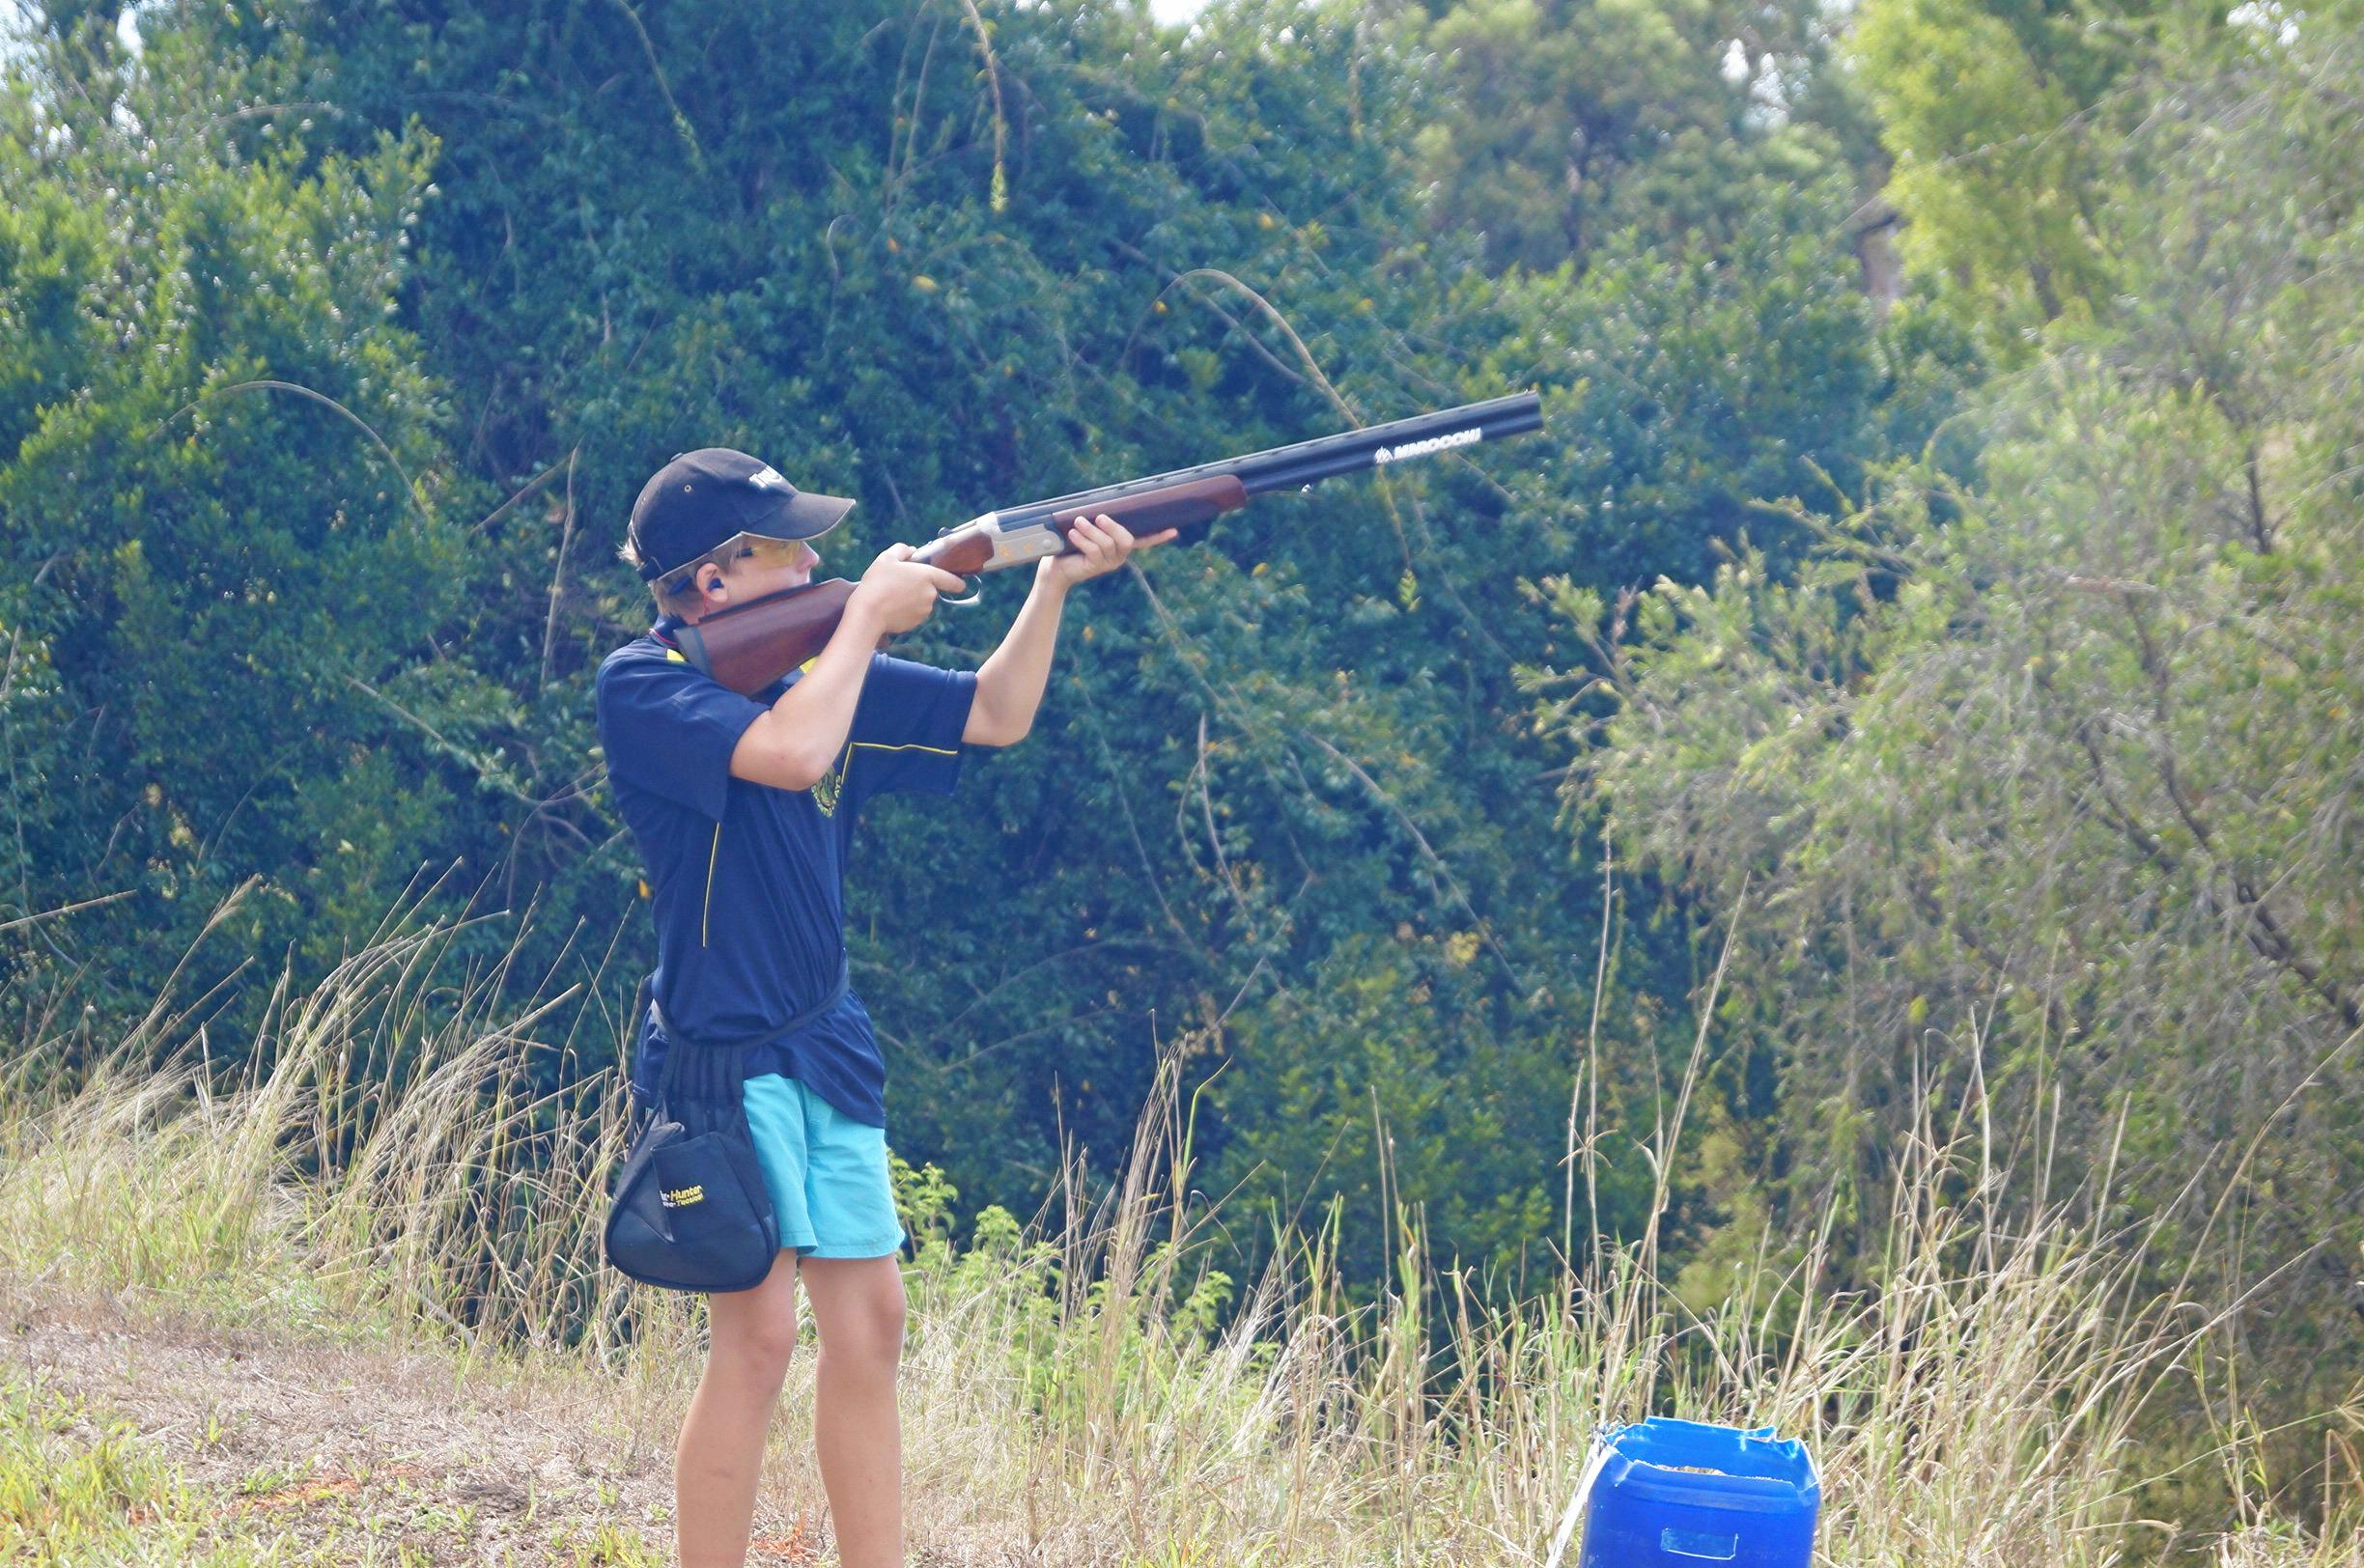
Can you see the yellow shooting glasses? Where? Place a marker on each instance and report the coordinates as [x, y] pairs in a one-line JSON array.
[[762, 548]]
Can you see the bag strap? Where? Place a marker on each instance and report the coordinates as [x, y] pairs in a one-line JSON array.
[[708, 1074]]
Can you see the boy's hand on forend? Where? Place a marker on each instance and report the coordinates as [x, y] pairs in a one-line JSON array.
[[1102, 545], [899, 591]]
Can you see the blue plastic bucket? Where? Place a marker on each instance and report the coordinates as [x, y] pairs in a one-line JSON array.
[[1669, 1494]]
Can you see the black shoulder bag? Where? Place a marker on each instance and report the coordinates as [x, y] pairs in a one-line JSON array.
[[690, 1210]]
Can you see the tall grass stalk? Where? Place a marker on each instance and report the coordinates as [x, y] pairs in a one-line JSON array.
[[1085, 1388]]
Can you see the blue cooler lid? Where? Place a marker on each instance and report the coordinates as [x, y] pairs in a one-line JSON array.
[[1691, 1463]]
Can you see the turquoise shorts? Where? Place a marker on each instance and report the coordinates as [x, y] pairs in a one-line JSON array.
[[826, 1172]]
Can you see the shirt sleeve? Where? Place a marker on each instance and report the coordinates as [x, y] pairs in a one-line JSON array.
[[906, 729], [669, 730]]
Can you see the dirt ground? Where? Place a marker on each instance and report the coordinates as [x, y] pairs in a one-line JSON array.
[[359, 1454]]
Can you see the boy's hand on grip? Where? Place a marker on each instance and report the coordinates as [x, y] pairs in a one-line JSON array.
[[899, 591]]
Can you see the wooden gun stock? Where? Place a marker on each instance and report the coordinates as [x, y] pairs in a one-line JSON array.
[[751, 645]]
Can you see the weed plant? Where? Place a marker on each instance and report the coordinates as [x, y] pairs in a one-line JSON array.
[[1089, 1386]]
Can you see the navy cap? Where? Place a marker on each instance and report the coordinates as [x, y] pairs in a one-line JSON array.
[[702, 498]]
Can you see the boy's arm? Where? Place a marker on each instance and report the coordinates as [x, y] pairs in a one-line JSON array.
[[1010, 685], [792, 744]]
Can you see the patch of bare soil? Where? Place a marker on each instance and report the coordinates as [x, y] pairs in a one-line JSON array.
[[362, 1455]]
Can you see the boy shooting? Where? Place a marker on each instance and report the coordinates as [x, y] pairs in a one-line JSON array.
[[742, 810]]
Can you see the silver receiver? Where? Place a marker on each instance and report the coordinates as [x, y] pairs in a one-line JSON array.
[[1018, 545]]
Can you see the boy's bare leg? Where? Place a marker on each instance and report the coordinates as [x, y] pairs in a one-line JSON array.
[[858, 1306], [751, 1334]]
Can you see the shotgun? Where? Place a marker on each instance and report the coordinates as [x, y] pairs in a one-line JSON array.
[[750, 646]]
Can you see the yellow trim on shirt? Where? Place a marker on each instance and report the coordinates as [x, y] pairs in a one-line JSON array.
[[706, 914], [846, 765], [881, 745]]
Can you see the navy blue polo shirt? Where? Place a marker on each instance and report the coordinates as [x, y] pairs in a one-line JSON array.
[[748, 881]]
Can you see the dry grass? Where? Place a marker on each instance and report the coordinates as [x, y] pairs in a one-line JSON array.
[[1075, 1390]]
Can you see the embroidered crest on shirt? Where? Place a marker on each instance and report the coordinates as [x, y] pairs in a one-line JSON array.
[[826, 788]]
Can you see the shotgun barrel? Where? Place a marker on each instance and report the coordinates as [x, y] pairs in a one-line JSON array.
[[1325, 457]]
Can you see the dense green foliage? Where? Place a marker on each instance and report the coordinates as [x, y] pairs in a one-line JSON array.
[[228, 529], [2044, 790], [1997, 647]]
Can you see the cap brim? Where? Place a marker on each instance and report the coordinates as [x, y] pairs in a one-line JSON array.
[[807, 516]]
